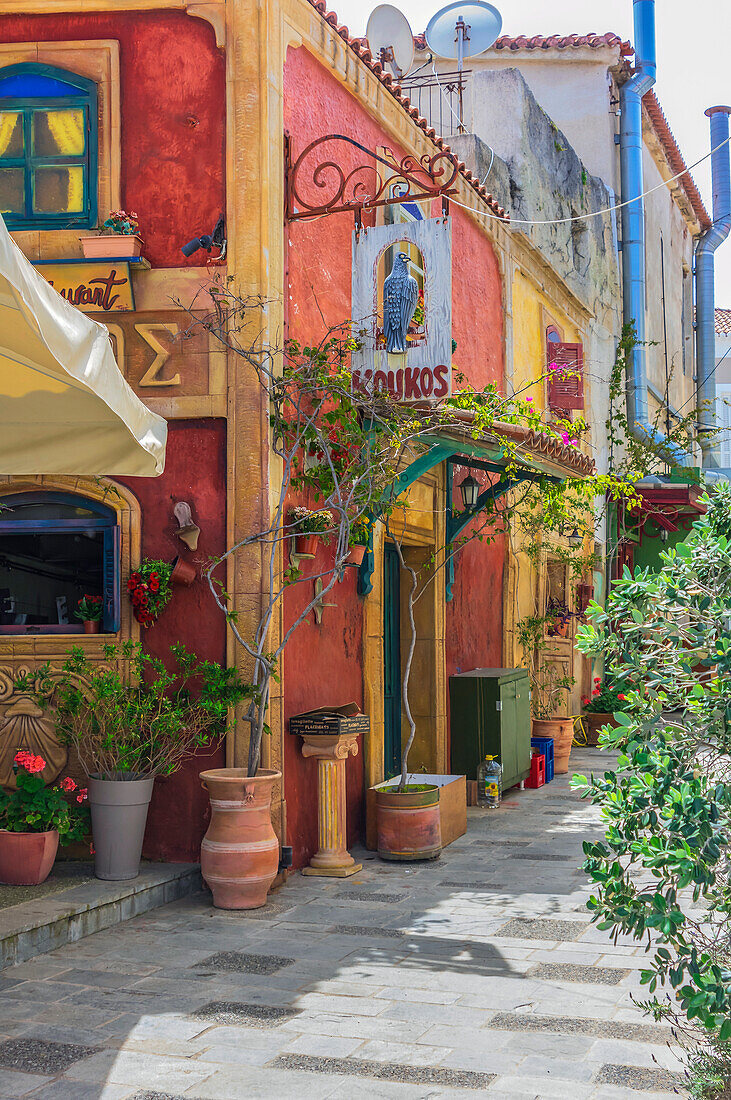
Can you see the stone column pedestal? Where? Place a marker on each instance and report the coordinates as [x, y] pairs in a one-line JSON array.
[[332, 859]]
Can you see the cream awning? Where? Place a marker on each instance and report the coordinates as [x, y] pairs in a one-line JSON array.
[[64, 406]]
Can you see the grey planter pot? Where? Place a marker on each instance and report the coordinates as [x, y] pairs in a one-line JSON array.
[[118, 818]]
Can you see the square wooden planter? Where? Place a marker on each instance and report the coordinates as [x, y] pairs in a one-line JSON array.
[[452, 807]]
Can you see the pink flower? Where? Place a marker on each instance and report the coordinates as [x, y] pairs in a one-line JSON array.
[[529, 400], [83, 793], [565, 438]]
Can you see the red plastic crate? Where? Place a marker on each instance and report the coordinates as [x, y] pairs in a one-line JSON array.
[[537, 775]]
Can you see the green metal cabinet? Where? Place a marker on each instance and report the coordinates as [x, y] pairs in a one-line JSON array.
[[490, 715]]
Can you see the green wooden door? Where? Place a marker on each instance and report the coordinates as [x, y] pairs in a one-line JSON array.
[[391, 661]]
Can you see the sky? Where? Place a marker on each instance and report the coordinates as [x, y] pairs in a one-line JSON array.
[[693, 55]]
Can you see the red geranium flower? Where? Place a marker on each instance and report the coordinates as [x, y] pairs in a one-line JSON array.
[[621, 696], [34, 764], [596, 691], [67, 784], [81, 796]]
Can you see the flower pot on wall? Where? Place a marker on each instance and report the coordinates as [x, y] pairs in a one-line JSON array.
[[91, 626], [356, 555], [562, 732], [240, 851], [306, 545], [408, 823], [26, 859], [183, 572], [115, 246], [118, 818], [594, 722]]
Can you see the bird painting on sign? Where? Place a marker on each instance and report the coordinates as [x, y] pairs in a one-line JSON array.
[[400, 295]]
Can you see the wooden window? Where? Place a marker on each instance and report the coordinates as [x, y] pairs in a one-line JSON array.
[[48, 147], [56, 548], [565, 369]]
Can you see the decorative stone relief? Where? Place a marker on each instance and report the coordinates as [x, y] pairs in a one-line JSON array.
[[24, 725]]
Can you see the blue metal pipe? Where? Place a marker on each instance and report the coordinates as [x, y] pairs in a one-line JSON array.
[[633, 228], [704, 285]]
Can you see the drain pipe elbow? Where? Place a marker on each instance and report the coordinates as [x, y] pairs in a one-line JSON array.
[[705, 285]]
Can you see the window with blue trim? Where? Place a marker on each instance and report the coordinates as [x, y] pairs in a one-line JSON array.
[[56, 548], [48, 148]]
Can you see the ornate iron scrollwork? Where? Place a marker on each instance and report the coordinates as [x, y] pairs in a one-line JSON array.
[[365, 186]]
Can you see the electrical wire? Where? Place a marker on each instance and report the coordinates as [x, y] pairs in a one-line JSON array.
[[592, 213]]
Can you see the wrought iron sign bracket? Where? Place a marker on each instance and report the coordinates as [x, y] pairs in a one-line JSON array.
[[315, 187]]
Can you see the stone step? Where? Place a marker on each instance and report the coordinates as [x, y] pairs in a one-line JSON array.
[[43, 924]]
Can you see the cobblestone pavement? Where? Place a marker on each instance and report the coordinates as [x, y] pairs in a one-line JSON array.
[[478, 972]]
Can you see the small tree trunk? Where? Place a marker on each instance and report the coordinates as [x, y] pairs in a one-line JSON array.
[[407, 669]]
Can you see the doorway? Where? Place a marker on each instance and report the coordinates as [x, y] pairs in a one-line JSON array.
[[391, 661]]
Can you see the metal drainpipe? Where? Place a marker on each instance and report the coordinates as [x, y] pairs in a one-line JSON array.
[[633, 226], [704, 285]]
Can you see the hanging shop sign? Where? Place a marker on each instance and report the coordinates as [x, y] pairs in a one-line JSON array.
[[402, 309], [94, 287]]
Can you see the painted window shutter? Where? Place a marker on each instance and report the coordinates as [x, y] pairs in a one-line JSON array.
[[566, 386], [112, 597]]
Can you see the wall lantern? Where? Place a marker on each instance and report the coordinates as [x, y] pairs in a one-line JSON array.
[[470, 490], [575, 538]]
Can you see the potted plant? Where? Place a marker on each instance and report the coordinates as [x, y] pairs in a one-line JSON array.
[[33, 818], [130, 720], [117, 239], [182, 572], [89, 610], [308, 527], [558, 618], [600, 707], [149, 589], [358, 542]]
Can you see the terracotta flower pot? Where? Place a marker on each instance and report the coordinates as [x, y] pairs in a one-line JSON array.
[[593, 723], [91, 626], [305, 545], [183, 572], [115, 246], [240, 851], [26, 859], [356, 555], [408, 824], [562, 732]]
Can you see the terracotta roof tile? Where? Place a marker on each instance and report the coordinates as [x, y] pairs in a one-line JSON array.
[[675, 157], [723, 322], [360, 49], [551, 42]]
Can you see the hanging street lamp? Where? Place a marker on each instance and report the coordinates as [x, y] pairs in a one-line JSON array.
[[470, 490]]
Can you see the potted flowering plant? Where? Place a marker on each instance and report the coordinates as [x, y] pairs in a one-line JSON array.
[[128, 720], [358, 542], [118, 238], [149, 589], [33, 818], [308, 526], [599, 708], [558, 618], [89, 610]]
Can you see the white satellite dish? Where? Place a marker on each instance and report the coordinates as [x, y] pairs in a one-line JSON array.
[[463, 30], [390, 39]]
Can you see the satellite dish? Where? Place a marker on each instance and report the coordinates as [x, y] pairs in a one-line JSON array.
[[390, 39], [463, 29]]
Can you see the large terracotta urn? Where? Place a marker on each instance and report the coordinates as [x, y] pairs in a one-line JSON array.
[[240, 851], [562, 732], [26, 859], [408, 823]]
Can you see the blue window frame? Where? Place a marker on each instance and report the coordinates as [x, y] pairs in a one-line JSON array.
[[48, 148], [56, 548]]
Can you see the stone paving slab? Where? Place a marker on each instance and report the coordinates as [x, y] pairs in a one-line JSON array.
[[481, 973]]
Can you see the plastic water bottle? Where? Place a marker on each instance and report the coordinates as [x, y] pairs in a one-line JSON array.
[[489, 783]]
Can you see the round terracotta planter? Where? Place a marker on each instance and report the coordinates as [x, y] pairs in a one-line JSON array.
[[356, 555], [240, 851], [408, 824], [183, 572], [91, 626], [305, 545], [562, 732], [593, 723], [26, 859]]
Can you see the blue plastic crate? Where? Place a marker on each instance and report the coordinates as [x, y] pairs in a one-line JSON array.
[[545, 747]]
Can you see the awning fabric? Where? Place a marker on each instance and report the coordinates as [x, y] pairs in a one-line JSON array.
[[64, 406]]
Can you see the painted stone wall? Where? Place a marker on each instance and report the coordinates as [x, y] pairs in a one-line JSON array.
[[325, 664], [173, 99]]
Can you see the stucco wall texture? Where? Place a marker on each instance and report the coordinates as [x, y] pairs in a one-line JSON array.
[[324, 664], [173, 99]]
